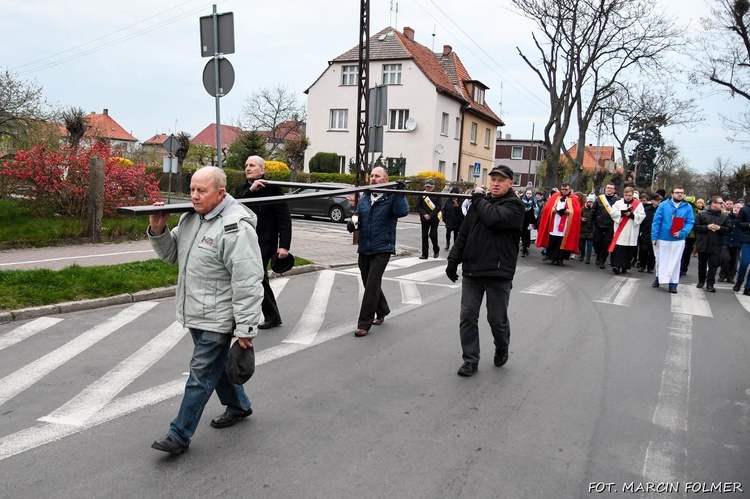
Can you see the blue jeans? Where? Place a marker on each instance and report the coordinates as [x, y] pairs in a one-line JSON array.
[[206, 375], [744, 262], [498, 296]]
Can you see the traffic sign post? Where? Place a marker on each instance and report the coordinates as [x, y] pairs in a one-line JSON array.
[[477, 168], [217, 39]]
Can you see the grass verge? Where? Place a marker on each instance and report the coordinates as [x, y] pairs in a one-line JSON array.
[[33, 288]]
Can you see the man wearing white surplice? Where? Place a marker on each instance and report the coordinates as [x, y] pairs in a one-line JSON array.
[[673, 221]]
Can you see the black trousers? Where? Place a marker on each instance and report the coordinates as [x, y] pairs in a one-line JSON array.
[[686, 254], [473, 290], [371, 268], [646, 256], [269, 307], [448, 236], [730, 256], [710, 260], [554, 253], [602, 238], [430, 229]]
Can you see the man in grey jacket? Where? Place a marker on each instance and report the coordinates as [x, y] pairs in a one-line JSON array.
[[219, 292]]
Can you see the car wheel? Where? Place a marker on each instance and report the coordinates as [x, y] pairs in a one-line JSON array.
[[336, 214]]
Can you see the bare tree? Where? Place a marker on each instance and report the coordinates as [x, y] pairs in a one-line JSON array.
[[586, 47], [632, 107], [722, 58], [275, 112], [21, 102], [716, 179]]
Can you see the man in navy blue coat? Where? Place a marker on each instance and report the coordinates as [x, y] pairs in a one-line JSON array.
[[376, 217]]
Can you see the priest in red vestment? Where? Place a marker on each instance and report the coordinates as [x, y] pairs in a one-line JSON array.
[[560, 226]]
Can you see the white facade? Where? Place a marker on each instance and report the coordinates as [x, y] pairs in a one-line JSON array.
[[424, 148]]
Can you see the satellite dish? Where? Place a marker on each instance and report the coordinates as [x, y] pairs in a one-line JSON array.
[[411, 124], [440, 149]]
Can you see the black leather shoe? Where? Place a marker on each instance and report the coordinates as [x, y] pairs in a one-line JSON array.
[[169, 444], [746, 292], [655, 284], [710, 289], [737, 286], [226, 420], [467, 369], [269, 324], [436, 254], [700, 285], [423, 257], [602, 266], [501, 357]]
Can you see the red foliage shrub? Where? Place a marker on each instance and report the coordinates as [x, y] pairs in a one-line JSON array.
[[58, 180]]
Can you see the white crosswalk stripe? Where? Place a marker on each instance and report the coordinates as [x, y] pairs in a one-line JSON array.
[[27, 330], [410, 293], [12, 385], [315, 312], [551, 285], [691, 301], [99, 393], [618, 291]]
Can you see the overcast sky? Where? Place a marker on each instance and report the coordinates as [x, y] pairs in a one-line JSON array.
[[142, 60]]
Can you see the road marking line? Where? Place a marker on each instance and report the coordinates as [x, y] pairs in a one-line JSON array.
[[278, 284], [410, 293], [425, 275], [744, 300], [618, 291], [77, 257], [26, 331], [44, 433], [315, 312], [521, 269], [550, 286], [99, 393], [402, 263], [15, 383], [671, 411], [691, 300]]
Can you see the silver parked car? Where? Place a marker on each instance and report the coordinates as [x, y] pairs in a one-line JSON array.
[[336, 208]]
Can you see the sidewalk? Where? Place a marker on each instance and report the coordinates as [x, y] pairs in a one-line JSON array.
[[326, 247]]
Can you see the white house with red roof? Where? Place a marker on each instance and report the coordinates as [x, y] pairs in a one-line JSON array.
[[104, 127], [425, 111]]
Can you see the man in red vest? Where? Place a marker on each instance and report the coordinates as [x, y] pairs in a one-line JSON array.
[[560, 226]]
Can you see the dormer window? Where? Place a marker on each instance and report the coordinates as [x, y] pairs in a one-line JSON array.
[[479, 95]]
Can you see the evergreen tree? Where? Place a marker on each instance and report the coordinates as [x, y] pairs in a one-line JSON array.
[[247, 144]]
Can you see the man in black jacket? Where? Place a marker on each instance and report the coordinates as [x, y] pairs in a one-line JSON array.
[[429, 207], [711, 225], [603, 225], [274, 230], [487, 248]]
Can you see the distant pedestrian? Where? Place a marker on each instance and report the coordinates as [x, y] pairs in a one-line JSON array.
[[586, 237], [487, 249], [429, 207], [560, 226], [375, 218], [731, 246], [530, 219], [646, 256], [602, 224], [452, 218], [627, 214], [743, 222], [673, 221]]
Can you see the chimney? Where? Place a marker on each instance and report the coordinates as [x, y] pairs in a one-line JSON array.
[[507, 136], [409, 33], [447, 49], [106, 111]]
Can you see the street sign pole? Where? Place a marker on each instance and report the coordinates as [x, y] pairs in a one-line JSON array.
[[215, 16]]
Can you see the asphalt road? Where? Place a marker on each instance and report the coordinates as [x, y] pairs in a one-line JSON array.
[[611, 385]]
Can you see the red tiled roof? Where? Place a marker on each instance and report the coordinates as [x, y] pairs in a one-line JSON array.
[[288, 130], [606, 153], [390, 44], [102, 126], [208, 135], [156, 140], [458, 74]]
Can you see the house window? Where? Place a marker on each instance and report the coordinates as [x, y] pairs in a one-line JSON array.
[[473, 133], [349, 75], [479, 95], [444, 125], [487, 135], [458, 129], [453, 170], [398, 119], [342, 164], [441, 167], [516, 179], [516, 152], [339, 119], [396, 166], [391, 74]]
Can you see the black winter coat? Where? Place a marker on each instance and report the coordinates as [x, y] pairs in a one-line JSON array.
[[708, 241], [452, 215], [600, 217], [274, 221], [743, 223], [487, 243]]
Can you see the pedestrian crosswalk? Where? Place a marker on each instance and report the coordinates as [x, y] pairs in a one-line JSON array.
[[412, 283]]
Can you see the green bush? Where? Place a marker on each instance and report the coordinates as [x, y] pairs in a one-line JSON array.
[[324, 162]]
